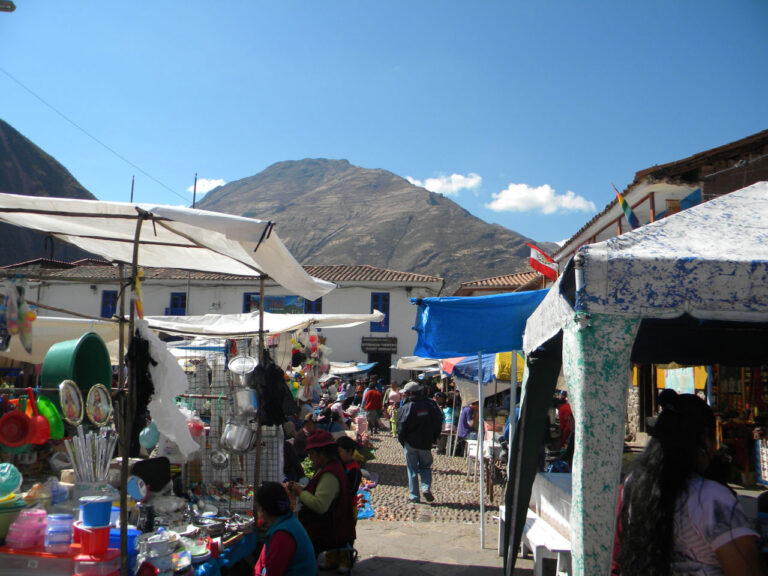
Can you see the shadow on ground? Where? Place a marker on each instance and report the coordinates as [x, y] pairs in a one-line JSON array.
[[384, 566]]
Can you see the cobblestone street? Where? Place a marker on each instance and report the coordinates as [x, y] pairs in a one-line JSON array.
[[441, 538], [456, 496]]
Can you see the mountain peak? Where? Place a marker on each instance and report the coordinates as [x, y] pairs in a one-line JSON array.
[[330, 212]]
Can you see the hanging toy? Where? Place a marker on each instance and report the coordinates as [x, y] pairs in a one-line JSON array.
[[26, 316], [12, 307], [137, 294]]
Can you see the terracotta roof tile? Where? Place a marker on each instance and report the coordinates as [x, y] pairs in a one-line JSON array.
[[362, 273], [506, 281], [365, 273]]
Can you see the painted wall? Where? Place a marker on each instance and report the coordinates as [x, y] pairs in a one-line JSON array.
[[227, 298]]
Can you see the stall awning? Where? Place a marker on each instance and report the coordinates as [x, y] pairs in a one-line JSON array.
[[463, 326], [170, 237]]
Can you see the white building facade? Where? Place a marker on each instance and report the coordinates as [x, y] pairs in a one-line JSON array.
[[92, 290]]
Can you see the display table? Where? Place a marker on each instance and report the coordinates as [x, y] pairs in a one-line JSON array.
[[229, 557], [551, 500]]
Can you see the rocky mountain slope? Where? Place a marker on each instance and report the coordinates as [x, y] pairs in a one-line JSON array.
[[26, 169], [331, 212]]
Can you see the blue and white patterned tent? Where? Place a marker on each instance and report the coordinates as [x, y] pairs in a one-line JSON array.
[[691, 288]]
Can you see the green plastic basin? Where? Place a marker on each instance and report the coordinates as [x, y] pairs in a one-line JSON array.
[[85, 361]]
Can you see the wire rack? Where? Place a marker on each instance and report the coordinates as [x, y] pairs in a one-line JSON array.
[[210, 395]]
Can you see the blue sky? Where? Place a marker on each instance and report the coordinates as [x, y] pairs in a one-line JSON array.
[[523, 112]]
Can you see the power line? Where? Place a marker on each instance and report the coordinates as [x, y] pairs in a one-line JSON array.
[[91, 136]]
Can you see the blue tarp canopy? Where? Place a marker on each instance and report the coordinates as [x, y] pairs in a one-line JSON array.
[[467, 368], [466, 325]]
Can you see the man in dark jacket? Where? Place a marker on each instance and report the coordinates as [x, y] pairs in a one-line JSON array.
[[419, 423]]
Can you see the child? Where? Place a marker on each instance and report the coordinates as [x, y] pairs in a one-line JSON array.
[[347, 448]]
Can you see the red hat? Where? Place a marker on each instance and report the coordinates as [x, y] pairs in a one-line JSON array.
[[319, 439]]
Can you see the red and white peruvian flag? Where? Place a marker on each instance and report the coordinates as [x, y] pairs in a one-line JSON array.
[[543, 263]]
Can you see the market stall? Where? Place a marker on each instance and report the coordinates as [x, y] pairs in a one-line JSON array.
[[136, 235], [461, 326], [692, 289]]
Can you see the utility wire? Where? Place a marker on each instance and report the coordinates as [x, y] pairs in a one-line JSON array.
[[91, 136]]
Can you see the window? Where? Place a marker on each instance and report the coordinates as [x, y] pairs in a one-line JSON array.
[[274, 304], [313, 307], [250, 302], [380, 302], [178, 305], [108, 303]]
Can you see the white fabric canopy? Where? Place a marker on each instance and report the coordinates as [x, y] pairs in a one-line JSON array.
[[170, 237], [48, 330], [235, 324], [417, 363], [710, 261]]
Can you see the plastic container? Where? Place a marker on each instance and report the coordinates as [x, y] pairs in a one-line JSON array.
[[60, 521], [85, 360], [33, 518], [58, 540], [98, 565], [133, 539], [94, 541], [96, 511], [21, 540], [114, 515]]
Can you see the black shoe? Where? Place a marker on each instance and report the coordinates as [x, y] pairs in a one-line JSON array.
[[414, 501], [429, 497]]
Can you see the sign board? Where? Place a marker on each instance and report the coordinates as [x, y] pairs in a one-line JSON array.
[[378, 344]]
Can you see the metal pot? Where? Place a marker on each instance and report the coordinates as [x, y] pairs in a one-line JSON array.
[[246, 403], [239, 367], [238, 437]]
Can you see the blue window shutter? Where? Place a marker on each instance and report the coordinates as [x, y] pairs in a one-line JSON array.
[[108, 303], [380, 302]]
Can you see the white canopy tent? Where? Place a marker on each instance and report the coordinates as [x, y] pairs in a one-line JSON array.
[[691, 288], [162, 236], [170, 237], [50, 330]]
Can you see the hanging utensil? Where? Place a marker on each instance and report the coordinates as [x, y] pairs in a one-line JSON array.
[[219, 459]]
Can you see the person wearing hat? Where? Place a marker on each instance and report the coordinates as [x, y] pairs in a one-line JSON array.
[[288, 549], [326, 511], [419, 423], [300, 438]]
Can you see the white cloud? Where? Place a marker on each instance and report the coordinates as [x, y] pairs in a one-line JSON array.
[[205, 185], [449, 185], [543, 199]]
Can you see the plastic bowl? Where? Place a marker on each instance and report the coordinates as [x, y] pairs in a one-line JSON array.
[[47, 408], [8, 514]]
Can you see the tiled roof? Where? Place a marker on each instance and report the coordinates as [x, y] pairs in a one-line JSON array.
[[361, 273], [507, 281], [365, 273], [39, 263], [110, 273]]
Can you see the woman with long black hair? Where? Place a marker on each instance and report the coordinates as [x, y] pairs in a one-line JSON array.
[[673, 520]]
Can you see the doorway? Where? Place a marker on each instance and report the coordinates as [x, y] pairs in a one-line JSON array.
[[383, 361]]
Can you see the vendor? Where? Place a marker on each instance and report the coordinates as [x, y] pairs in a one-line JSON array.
[[288, 549], [326, 511]]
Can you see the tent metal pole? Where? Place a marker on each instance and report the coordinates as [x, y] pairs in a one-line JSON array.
[[129, 407], [257, 463], [512, 419], [480, 438]]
